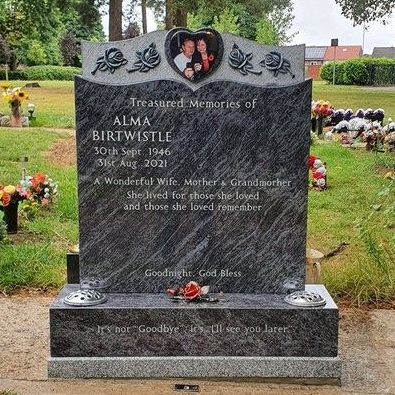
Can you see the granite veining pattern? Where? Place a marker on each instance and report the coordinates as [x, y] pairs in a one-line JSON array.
[[151, 325], [239, 252]]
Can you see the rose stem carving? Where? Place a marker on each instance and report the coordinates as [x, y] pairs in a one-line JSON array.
[[276, 63], [146, 60], [241, 61], [112, 60]]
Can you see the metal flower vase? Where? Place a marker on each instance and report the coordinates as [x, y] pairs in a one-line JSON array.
[[11, 217], [16, 117], [320, 126]]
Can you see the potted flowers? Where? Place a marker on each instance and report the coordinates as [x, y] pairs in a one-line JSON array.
[[10, 196], [15, 97], [38, 190], [321, 109]]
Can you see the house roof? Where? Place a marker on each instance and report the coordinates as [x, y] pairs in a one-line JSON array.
[[383, 52], [343, 52], [315, 53]]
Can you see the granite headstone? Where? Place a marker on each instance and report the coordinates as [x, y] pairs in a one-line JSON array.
[[193, 167], [184, 179]]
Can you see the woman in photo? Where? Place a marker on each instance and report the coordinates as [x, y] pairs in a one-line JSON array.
[[202, 59]]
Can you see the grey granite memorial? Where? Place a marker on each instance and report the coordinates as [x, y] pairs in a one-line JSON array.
[[192, 167]]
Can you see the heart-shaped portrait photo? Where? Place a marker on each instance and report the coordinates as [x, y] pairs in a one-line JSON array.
[[194, 55]]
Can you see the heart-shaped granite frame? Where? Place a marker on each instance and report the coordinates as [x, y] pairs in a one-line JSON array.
[[190, 64]]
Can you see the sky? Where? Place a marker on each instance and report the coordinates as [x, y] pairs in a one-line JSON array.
[[318, 24], [318, 21]]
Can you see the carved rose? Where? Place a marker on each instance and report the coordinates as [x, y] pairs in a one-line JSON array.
[[241, 61], [275, 62], [147, 59], [111, 60]]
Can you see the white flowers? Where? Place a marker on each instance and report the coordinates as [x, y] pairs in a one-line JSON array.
[[317, 164]]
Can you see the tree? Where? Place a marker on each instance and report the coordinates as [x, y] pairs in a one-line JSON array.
[[33, 29], [133, 30], [115, 20], [266, 32], [226, 22], [25, 23], [270, 20], [282, 24], [364, 11], [82, 18], [70, 49], [144, 15], [5, 51]]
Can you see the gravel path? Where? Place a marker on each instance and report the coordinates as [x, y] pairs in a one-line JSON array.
[[367, 345]]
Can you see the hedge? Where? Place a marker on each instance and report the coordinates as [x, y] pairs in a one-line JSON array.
[[326, 72], [39, 73], [361, 71]]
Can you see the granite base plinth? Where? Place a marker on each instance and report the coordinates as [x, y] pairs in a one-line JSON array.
[[151, 325], [215, 367], [142, 335]]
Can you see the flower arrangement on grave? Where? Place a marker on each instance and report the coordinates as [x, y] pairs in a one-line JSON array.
[[318, 173], [15, 98], [35, 191], [10, 196], [191, 292], [321, 109], [40, 188], [5, 85]]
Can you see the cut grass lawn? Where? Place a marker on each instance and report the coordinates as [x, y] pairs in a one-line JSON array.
[[35, 257], [55, 100], [54, 103], [355, 97]]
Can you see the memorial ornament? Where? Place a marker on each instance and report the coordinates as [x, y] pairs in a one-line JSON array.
[[147, 59], [276, 63], [111, 60], [241, 61], [194, 55], [191, 292]]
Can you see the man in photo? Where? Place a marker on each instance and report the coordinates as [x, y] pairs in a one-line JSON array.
[[184, 59]]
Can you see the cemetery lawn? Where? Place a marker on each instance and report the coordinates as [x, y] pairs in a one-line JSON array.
[[54, 102], [354, 97], [364, 272], [35, 257], [358, 208]]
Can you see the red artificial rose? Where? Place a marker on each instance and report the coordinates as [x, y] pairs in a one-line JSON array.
[[317, 175], [192, 290], [6, 198], [310, 160], [40, 177], [211, 58]]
